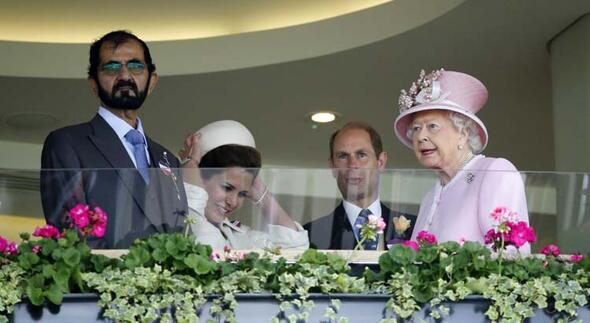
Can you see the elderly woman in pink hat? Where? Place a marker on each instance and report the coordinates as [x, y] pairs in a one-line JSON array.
[[437, 121], [220, 171]]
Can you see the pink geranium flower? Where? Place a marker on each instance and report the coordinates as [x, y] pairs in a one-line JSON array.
[[99, 215], [80, 215], [47, 231], [502, 214], [3, 244], [376, 223], [36, 249], [89, 221], [79, 209], [411, 244], [215, 256], [498, 213], [235, 256], [8, 248], [98, 230], [426, 237], [577, 257], [521, 233], [490, 236], [11, 249], [551, 250], [508, 232]]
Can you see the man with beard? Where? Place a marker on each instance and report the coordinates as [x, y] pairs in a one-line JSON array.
[[110, 162], [357, 160]]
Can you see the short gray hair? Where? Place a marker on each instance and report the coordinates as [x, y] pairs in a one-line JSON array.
[[462, 124]]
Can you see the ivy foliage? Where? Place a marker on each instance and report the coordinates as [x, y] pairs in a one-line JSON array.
[[169, 278]]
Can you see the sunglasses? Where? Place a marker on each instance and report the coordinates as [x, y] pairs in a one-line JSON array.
[[114, 68]]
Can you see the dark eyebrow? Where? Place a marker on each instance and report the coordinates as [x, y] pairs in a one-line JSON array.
[[112, 62], [229, 185], [133, 60]]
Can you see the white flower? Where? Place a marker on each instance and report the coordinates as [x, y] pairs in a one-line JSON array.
[[401, 224]]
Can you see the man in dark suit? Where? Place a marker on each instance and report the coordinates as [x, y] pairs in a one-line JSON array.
[[109, 162], [357, 160]]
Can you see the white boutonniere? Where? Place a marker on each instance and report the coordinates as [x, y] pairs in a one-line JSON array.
[[401, 224]]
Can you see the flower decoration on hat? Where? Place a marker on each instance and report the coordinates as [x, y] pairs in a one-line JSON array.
[[424, 90]]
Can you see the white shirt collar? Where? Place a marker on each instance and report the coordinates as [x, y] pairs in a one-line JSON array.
[[352, 211], [119, 125], [234, 225]]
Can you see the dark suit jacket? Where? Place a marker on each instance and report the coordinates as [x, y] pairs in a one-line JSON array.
[[87, 163], [334, 231]]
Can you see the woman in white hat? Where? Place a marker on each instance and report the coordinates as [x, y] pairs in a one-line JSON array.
[[437, 120], [220, 171]]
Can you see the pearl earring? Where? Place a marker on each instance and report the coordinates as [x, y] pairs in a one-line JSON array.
[[460, 147]]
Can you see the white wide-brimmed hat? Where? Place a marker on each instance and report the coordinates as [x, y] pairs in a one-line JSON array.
[[224, 132], [442, 90]]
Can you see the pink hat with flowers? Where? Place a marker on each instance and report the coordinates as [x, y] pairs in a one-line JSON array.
[[442, 90]]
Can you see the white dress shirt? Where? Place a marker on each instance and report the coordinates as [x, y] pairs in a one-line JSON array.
[[121, 128], [238, 236]]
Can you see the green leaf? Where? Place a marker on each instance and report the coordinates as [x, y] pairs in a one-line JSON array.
[[36, 281], [204, 249], [423, 294], [62, 277], [54, 294], [179, 264], [101, 262], [72, 257], [428, 254], [137, 257], [477, 286], [402, 255], [84, 249], [57, 254], [48, 246], [173, 248], [199, 264], [48, 271], [28, 260], [24, 262], [387, 264], [159, 255], [450, 246], [35, 295], [71, 237]]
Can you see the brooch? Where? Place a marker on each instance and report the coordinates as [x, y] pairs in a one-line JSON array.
[[166, 169]]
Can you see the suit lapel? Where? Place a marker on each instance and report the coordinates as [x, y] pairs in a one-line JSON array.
[[106, 141], [386, 215], [342, 235], [156, 154]]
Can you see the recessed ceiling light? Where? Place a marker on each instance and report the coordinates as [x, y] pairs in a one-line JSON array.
[[323, 117], [30, 120]]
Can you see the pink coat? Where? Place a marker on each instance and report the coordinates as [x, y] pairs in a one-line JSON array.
[[461, 209]]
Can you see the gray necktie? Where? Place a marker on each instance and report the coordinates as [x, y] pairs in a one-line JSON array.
[[136, 139]]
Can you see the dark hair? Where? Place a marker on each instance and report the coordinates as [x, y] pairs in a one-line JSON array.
[[226, 156], [117, 38], [373, 134]]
